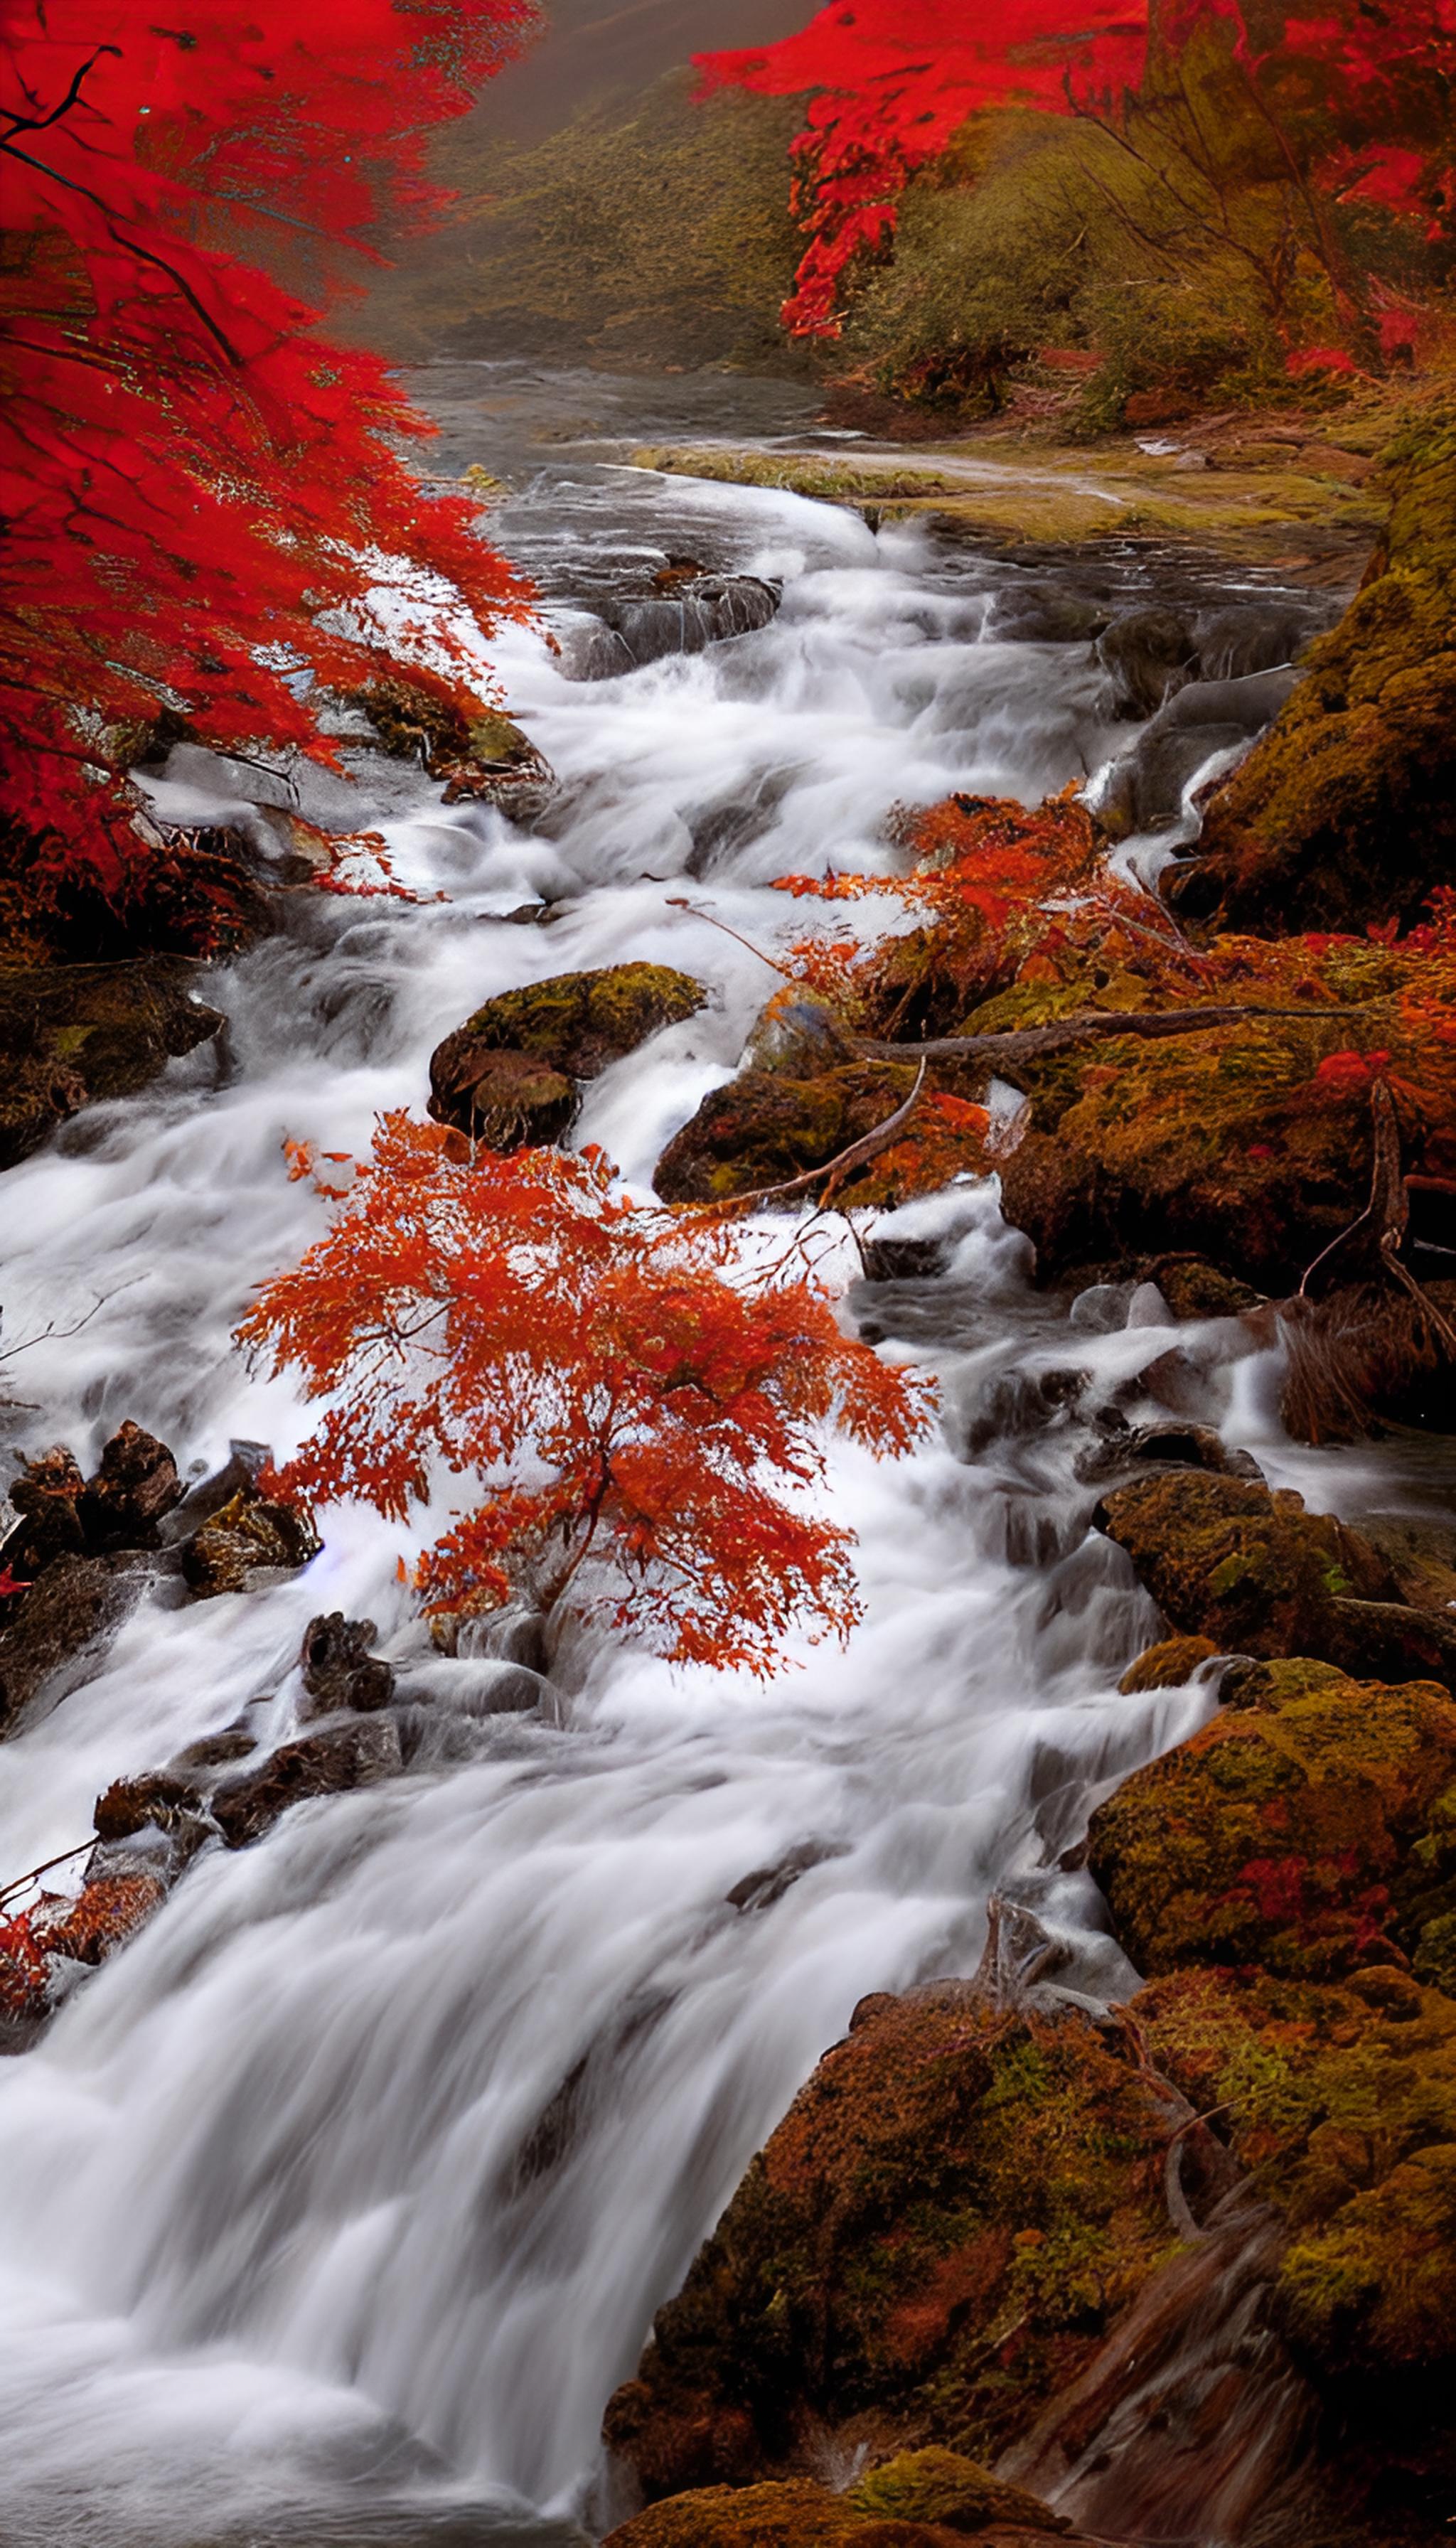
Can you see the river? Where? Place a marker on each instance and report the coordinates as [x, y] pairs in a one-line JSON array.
[[332, 2210]]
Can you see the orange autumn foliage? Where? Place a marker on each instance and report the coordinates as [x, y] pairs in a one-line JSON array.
[[640, 1412]]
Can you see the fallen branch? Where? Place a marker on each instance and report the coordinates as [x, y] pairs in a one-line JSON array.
[[1027, 1044], [864, 1149]]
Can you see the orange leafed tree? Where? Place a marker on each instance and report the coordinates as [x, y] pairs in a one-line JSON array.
[[642, 1414]]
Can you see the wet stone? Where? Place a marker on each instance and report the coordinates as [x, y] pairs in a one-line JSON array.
[[338, 1669], [319, 1765], [246, 1535]]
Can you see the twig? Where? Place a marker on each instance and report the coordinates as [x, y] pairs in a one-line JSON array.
[[677, 902], [864, 1149], [18, 1883]]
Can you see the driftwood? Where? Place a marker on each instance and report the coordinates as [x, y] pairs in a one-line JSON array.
[[1027, 1044]]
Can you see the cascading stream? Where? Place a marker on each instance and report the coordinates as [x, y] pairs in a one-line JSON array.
[[345, 2194]]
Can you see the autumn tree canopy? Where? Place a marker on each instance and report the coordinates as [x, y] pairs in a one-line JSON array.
[[638, 1407], [1353, 99], [200, 490]]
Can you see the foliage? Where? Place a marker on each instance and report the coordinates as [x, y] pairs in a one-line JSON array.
[[889, 85], [643, 1415], [204, 492], [648, 228], [1236, 134]]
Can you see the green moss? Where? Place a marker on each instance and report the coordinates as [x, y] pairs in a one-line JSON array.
[[1343, 813], [579, 1022]]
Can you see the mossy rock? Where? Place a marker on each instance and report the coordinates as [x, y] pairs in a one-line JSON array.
[[923, 2500], [1340, 2101], [1169, 1665], [933, 2243], [1345, 813], [506, 1076], [485, 755], [940, 2486], [1228, 1559], [1220, 1141], [1273, 1835], [76, 1032], [766, 1128]]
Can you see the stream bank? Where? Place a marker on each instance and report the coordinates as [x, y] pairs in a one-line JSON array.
[[357, 2176]]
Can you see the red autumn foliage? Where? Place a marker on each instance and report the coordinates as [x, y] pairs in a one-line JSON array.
[[641, 1413], [201, 491], [1352, 95]]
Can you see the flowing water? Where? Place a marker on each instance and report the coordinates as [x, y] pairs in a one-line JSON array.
[[334, 2206]]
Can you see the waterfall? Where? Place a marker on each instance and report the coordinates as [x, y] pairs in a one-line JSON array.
[[335, 2206]]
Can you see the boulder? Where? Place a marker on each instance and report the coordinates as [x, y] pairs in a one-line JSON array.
[[74, 1033], [1346, 812], [512, 1064], [1275, 1833], [1227, 1557], [1169, 1665], [921, 2499], [766, 1128], [934, 2239], [317, 1764], [1195, 1289], [1340, 2100], [246, 1535], [686, 611], [761, 1130], [338, 1669], [1225, 1141], [1145, 788], [504, 1099], [158, 1797], [485, 756]]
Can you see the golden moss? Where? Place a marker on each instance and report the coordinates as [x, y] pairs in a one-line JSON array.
[[1273, 1834]]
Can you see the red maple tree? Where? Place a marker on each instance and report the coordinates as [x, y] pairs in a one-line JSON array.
[[201, 491], [1354, 97], [641, 1408]]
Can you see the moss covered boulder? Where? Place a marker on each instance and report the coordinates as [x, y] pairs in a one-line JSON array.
[[507, 1075], [920, 2500], [74, 1032], [1228, 1559], [483, 754], [1340, 2101], [933, 2243], [1275, 1834], [1229, 1144], [1345, 813]]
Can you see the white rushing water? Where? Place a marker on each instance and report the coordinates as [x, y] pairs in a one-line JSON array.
[[336, 2205]]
